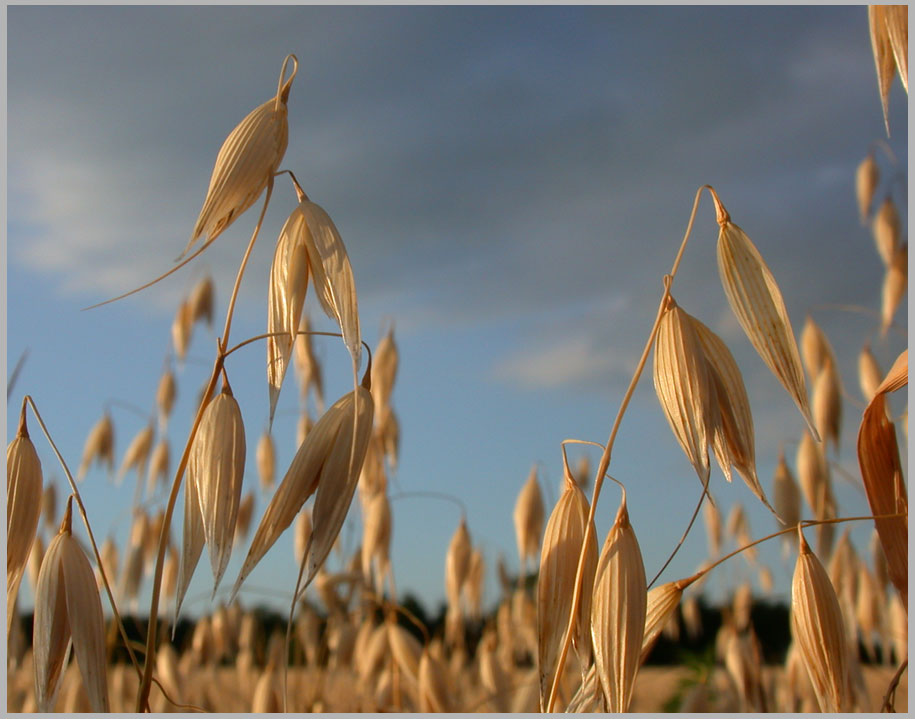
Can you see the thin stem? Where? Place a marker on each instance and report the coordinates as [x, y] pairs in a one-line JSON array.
[[682, 539], [145, 684], [605, 457], [82, 510], [889, 699], [431, 495]]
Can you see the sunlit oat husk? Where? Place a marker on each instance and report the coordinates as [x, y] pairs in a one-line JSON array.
[[473, 584], [217, 466], [159, 462], [737, 521], [866, 178], [869, 373], [33, 564], [733, 440], [457, 562], [493, 675], [528, 518], [376, 538], [246, 162], [109, 554], [266, 461], [897, 31], [878, 560], [683, 386], [99, 446], [589, 697], [562, 542], [881, 472], [758, 305], [182, 329], [827, 404], [661, 605], [895, 282], [303, 427], [816, 351], [302, 535], [285, 299], [67, 607], [137, 454], [167, 671], [742, 605], [812, 470], [166, 391], [787, 495], [405, 649], [883, 56], [434, 692], [618, 611], [867, 610], [712, 519], [191, 544], [170, 572], [384, 369], [322, 464], [23, 509], [887, 230], [243, 520], [376, 650], [388, 429], [333, 275], [307, 367], [819, 631], [201, 301]]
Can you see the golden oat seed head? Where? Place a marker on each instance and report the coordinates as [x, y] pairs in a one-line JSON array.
[[757, 303], [887, 230], [528, 518], [867, 176], [266, 461]]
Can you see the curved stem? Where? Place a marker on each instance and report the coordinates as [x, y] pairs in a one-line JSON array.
[[431, 495], [143, 691], [605, 457], [82, 511], [682, 539]]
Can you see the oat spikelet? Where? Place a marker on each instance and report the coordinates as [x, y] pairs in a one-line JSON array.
[[302, 536], [618, 612], [217, 466], [661, 604], [895, 282], [472, 588], [887, 230], [712, 519], [787, 495], [285, 299], [866, 178], [333, 275], [881, 472], [376, 539], [434, 692], [528, 518], [384, 370], [883, 56], [758, 305], [457, 563], [322, 465], [200, 301], [182, 329], [266, 461], [827, 404], [816, 351], [243, 521], [562, 543], [405, 650], [137, 454], [166, 392], [683, 386], [191, 544], [732, 440], [68, 613], [48, 504], [99, 446], [159, 462], [246, 163], [23, 509], [869, 373], [819, 630], [897, 31]]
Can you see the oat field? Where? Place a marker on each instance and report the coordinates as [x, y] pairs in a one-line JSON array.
[[576, 627]]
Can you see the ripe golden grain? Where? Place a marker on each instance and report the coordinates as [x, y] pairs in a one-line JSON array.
[[182, 329], [867, 176], [618, 610], [166, 391], [159, 462], [895, 282], [819, 631], [68, 613], [137, 454], [266, 461], [528, 519], [883, 55], [869, 373], [457, 563], [827, 404], [246, 162], [887, 230], [99, 446], [757, 303], [307, 367], [562, 542], [787, 495], [23, 509], [201, 301]]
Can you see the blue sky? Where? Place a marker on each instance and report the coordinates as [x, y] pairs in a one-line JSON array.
[[511, 184]]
